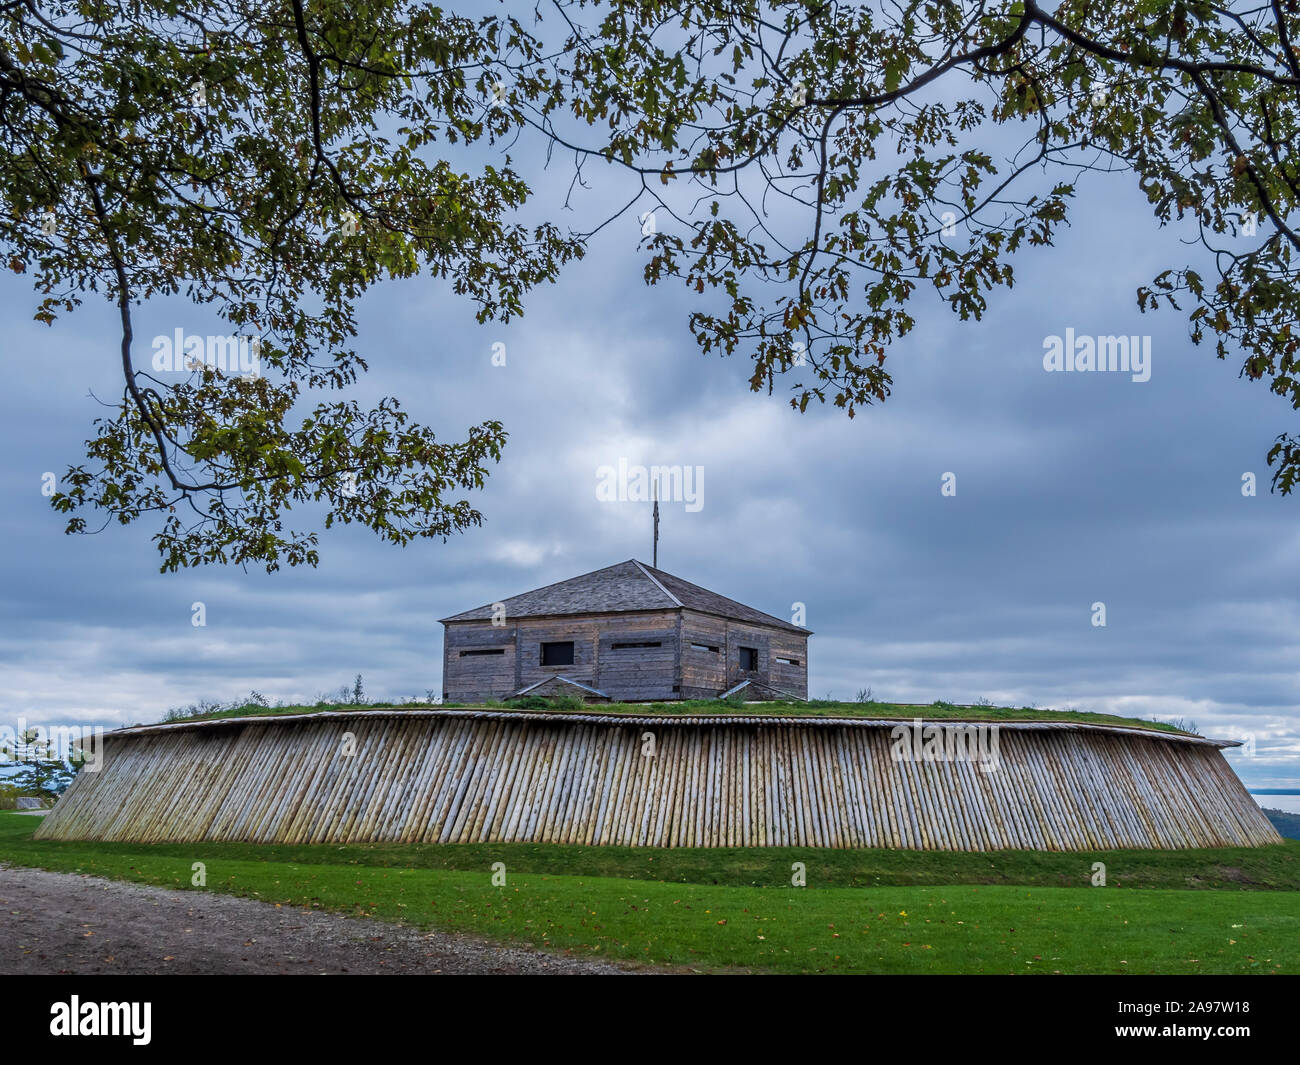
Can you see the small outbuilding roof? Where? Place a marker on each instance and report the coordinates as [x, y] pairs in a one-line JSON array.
[[621, 588]]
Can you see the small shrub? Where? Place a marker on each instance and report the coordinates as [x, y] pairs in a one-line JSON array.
[[545, 702], [1180, 723], [203, 708], [524, 702]]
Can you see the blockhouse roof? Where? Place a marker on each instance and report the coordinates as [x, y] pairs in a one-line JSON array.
[[625, 586]]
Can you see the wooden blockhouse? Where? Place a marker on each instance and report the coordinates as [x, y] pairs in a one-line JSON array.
[[625, 633], [753, 778]]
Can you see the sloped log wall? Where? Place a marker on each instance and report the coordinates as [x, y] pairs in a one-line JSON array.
[[465, 776]]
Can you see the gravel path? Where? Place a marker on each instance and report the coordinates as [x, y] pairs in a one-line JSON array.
[[65, 923]]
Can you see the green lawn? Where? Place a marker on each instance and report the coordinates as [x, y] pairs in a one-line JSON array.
[[863, 911]]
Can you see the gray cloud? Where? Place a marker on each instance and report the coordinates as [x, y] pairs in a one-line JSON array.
[[1072, 488]]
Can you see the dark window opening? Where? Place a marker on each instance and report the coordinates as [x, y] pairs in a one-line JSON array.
[[788, 661], [557, 654], [704, 647], [677, 687], [625, 646], [483, 651], [749, 659]]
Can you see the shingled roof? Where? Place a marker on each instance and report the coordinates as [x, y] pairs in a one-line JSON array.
[[626, 586]]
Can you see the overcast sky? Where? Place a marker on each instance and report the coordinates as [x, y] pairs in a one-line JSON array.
[[1071, 489]]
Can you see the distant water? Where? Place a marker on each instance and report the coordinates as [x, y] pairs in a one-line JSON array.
[[1287, 799]]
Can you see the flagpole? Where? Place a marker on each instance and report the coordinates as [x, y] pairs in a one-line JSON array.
[[655, 556]]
